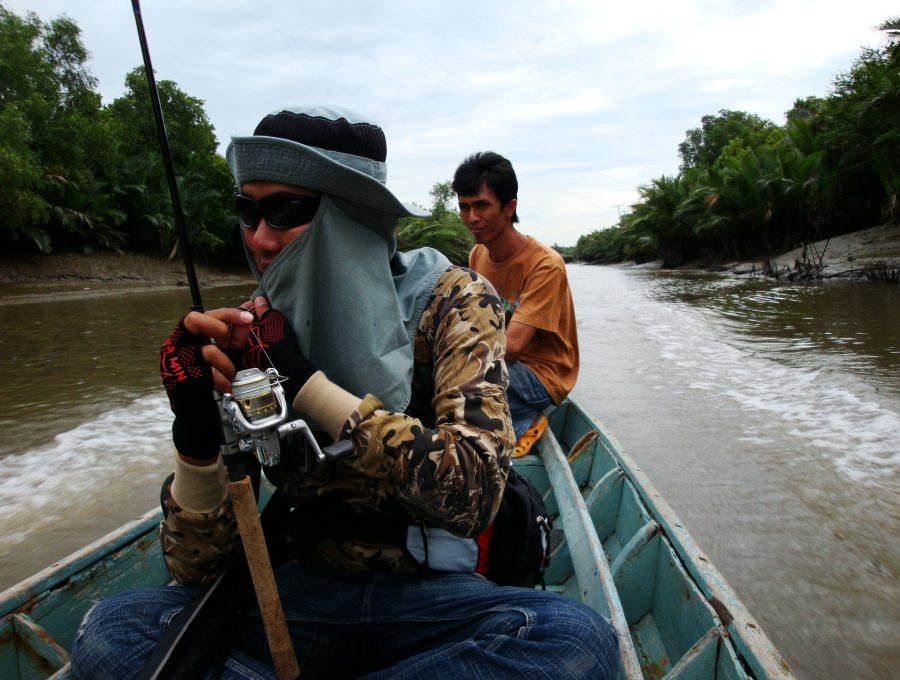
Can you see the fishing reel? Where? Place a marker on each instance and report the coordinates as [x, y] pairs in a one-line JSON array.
[[254, 418]]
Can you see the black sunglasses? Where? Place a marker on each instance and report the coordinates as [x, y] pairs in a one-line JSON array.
[[280, 211]]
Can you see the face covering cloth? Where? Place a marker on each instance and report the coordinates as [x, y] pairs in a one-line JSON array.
[[354, 302]]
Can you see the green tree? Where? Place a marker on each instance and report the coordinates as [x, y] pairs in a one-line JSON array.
[[656, 222], [85, 216], [444, 230], [47, 95], [859, 132], [23, 210], [77, 176], [205, 185], [75, 113], [805, 109], [192, 137], [604, 246], [703, 146]]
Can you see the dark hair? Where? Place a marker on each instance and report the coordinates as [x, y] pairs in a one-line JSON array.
[[491, 169]]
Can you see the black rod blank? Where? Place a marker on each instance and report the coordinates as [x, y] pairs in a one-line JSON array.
[[180, 227]]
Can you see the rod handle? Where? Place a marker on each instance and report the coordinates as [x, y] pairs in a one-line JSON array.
[[283, 657]]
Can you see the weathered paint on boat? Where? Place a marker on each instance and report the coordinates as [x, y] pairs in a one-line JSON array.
[[40, 615], [617, 546], [624, 552]]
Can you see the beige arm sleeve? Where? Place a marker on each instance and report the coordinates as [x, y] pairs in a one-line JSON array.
[[199, 488], [326, 403]]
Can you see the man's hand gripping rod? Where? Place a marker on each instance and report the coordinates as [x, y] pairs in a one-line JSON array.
[[285, 661], [253, 420]]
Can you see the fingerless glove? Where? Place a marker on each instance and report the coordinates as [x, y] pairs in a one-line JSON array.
[[273, 343]]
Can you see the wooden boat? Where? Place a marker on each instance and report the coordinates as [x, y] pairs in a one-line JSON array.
[[618, 547]]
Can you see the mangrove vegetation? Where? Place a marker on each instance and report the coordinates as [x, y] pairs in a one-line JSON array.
[[747, 186], [81, 176]]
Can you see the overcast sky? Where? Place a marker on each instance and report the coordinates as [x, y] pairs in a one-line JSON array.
[[588, 99]]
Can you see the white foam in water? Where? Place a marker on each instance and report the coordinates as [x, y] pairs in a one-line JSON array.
[[75, 472], [861, 437]]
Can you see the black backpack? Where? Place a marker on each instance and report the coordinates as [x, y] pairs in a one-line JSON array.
[[515, 548]]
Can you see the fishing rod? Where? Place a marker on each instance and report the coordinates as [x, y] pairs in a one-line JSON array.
[[167, 161], [242, 433]]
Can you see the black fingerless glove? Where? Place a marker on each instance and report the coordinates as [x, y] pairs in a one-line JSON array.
[[273, 343], [187, 377]]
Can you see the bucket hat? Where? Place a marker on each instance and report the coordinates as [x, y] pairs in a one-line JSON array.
[[329, 149]]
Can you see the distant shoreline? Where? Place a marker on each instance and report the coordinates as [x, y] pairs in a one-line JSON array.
[[106, 267], [108, 273], [39, 277], [846, 257]]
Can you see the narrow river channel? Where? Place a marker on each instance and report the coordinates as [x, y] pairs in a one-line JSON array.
[[767, 415]]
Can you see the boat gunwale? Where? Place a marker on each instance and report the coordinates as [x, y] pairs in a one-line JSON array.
[[589, 558], [748, 637], [38, 586]]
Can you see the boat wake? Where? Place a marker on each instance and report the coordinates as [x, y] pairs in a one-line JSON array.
[[801, 407], [94, 468]]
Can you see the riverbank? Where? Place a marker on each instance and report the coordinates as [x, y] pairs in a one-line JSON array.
[[858, 255], [850, 256], [33, 277]]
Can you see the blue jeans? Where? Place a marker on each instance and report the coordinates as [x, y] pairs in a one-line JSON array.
[[373, 625], [526, 395]]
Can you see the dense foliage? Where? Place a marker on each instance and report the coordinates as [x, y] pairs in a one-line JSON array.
[[747, 186], [80, 176], [443, 230], [76, 175]]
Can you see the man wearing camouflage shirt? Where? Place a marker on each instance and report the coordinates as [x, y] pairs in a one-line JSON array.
[[402, 355]]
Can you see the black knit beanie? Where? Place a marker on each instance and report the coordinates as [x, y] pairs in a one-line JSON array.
[[360, 139]]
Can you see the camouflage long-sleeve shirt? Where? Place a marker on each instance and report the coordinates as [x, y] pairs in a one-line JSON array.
[[444, 461]]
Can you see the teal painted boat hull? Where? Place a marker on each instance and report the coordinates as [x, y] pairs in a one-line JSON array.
[[40, 616], [617, 546], [624, 552]]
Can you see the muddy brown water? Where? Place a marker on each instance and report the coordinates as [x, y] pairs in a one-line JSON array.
[[768, 416]]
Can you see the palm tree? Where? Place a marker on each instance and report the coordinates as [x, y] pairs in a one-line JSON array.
[[444, 230], [891, 30], [655, 221], [84, 215], [452, 239]]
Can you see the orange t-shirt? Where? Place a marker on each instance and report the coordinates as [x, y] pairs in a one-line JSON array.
[[534, 285]]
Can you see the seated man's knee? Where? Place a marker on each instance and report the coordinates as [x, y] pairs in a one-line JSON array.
[[96, 640], [119, 632], [592, 644]]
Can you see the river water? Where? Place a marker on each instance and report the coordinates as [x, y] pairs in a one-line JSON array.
[[768, 416]]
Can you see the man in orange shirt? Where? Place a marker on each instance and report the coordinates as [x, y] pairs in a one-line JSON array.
[[530, 277]]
